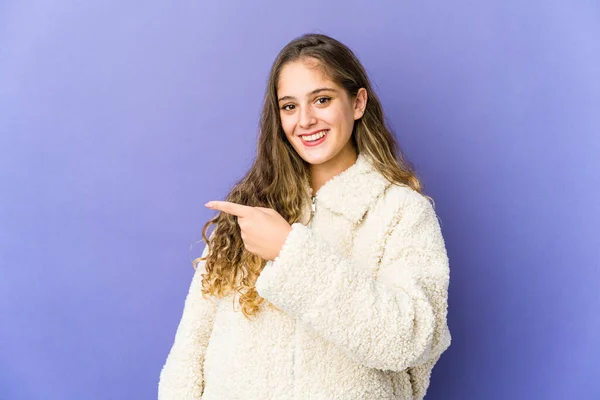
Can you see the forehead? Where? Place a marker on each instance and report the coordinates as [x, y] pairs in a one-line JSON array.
[[297, 78]]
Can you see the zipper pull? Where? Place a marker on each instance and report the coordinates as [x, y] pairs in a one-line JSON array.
[[313, 201]]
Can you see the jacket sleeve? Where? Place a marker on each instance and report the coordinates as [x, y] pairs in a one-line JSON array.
[[393, 321], [182, 377]]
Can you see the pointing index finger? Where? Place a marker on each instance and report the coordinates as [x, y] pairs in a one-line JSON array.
[[239, 210]]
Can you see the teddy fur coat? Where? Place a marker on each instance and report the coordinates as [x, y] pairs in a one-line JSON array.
[[362, 296]]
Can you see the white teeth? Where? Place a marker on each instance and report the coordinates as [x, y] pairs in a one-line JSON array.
[[314, 137]]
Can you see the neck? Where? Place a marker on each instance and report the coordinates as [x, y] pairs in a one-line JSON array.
[[321, 173]]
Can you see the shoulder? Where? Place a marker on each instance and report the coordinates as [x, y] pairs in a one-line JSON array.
[[413, 230], [400, 199]]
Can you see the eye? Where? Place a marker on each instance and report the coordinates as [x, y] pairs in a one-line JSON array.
[[323, 98], [285, 107]]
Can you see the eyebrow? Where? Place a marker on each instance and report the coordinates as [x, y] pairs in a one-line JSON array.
[[319, 90]]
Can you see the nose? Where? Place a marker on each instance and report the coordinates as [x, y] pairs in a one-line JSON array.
[[306, 117]]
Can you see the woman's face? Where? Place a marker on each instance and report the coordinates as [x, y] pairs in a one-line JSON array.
[[310, 105]]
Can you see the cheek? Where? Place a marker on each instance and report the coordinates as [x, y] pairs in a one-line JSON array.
[[287, 125], [338, 117]]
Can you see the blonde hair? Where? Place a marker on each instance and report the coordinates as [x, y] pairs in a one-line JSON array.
[[278, 175]]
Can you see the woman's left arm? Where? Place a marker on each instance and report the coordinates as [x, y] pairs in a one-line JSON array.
[[392, 322]]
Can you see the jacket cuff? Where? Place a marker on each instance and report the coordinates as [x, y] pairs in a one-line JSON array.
[[289, 280]]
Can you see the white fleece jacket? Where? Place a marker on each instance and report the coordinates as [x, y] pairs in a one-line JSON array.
[[363, 297]]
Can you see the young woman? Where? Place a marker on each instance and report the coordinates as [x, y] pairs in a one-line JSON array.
[[326, 276]]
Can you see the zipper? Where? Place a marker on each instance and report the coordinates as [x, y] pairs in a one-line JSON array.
[[313, 209], [313, 200]]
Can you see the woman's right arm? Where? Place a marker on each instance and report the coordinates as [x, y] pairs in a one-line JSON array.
[[182, 376]]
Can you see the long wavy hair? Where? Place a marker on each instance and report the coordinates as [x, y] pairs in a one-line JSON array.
[[278, 176]]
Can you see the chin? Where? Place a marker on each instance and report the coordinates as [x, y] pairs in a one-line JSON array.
[[316, 159]]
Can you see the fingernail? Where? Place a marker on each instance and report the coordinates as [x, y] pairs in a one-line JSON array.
[[209, 204]]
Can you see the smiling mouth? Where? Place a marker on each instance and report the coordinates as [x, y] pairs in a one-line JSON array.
[[315, 137]]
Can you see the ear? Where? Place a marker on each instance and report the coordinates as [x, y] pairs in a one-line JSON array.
[[360, 103]]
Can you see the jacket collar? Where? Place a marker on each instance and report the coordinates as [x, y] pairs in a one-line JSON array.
[[351, 192]]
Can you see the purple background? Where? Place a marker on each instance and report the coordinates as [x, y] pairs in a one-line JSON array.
[[120, 119]]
